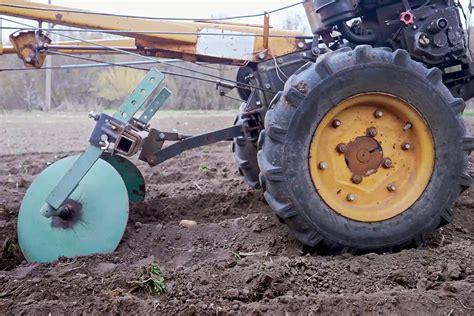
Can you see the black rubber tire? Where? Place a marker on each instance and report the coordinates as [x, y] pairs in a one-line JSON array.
[[290, 124], [245, 156]]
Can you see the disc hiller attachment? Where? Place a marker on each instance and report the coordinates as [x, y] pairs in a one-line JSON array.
[[79, 205]]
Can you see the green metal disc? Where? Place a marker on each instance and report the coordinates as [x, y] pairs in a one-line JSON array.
[[97, 224], [130, 174]]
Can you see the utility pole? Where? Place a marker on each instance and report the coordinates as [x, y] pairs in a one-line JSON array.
[[47, 94]]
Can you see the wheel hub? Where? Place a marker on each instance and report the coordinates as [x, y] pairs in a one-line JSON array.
[[363, 156], [70, 214], [378, 158]]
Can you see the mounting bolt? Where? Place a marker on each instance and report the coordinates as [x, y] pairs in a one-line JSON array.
[[93, 115], [350, 197], [356, 179], [371, 131], [162, 135], [341, 148], [386, 163], [424, 40], [406, 146], [323, 165], [267, 86], [262, 55], [301, 45], [336, 123], [28, 59], [378, 114], [391, 187]]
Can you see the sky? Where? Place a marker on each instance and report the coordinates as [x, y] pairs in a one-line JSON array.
[[190, 9]]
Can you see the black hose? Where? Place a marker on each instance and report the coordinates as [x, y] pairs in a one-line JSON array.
[[354, 38]]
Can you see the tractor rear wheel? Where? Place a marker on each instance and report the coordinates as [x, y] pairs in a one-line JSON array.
[[245, 155], [364, 150]]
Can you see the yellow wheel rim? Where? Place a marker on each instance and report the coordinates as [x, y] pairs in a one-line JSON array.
[[371, 157]]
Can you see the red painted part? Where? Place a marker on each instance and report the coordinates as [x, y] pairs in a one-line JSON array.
[[407, 18]]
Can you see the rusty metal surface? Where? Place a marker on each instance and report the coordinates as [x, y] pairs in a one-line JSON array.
[[30, 47], [364, 156]]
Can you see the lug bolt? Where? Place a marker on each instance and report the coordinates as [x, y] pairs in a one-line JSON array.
[[323, 165], [391, 187], [372, 132], [378, 114], [350, 197], [406, 146], [341, 148], [387, 163], [336, 123], [356, 179]]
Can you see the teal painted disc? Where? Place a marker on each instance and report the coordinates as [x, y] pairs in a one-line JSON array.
[[96, 224], [130, 174]]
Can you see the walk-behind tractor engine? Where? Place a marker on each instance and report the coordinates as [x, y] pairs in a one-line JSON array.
[[354, 135]]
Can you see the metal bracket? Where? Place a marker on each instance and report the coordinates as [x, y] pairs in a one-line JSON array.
[[140, 97], [115, 137], [155, 156], [117, 133], [31, 47], [154, 106]]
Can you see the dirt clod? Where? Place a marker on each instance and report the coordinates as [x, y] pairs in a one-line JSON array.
[[453, 271], [186, 223]]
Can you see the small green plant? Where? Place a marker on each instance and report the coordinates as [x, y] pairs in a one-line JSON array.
[[150, 280]]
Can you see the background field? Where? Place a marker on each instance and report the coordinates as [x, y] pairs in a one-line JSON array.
[[238, 259]]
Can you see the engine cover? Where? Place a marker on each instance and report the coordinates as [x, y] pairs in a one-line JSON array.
[[436, 36]]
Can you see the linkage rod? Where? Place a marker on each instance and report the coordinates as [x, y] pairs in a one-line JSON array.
[[138, 55]]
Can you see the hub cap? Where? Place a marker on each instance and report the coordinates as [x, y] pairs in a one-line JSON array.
[[379, 158]]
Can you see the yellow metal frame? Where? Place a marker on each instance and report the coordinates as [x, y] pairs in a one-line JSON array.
[[163, 45], [374, 199]]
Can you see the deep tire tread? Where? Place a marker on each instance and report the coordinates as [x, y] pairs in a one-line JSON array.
[[278, 120], [458, 105]]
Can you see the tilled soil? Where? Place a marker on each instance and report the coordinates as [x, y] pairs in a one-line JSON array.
[[237, 259]]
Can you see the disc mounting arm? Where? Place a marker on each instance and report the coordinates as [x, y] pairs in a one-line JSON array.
[[119, 132], [153, 154]]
